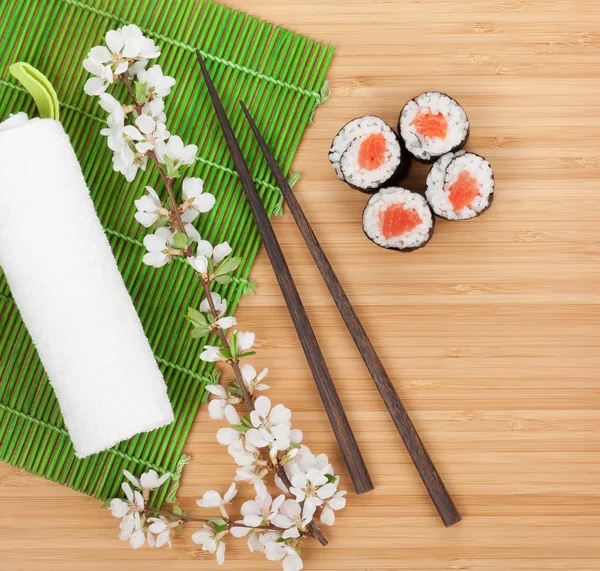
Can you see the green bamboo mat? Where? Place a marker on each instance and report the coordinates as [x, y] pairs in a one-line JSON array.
[[279, 74]]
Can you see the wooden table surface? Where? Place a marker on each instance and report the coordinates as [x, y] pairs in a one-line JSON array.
[[490, 333]]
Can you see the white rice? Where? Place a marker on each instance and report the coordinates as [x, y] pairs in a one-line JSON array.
[[426, 148], [387, 197], [346, 146], [443, 175]]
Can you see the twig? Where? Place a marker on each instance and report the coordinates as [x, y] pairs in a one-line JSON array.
[[233, 363], [185, 518], [175, 516], [313, 528], [169, 186]]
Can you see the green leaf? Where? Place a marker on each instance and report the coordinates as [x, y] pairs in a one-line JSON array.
[[227, 265], [196, 317], [330, 478], [241, 427], [224, 280], [234, 390], [234, 345], [180, 240], [177, 510], [199, 332], [161, 222], [226, 354], [218, 523], [248, 354], [170, 167], [246, 420], [140, 89]]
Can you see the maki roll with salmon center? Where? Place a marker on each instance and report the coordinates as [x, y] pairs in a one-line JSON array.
[[398, 219], [431, 125], [367, 154], [460, 186]]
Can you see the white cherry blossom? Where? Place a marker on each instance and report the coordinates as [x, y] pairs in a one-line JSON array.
[[262, 510], [128, 42], [276, 551], [211, 354], [126, 49], [311, 478], [221, 251], [204, 252], [131, 529], [149, 208], [157, 84], [191, 231], [211, 542], [218, 253], [219, 302], [115, 131], [333, 504], [245, 340], [116, 115], [148, 480], [227, 436], [176, 151], [212, 499], [272, 427], [155, 108], [257, 541], [159, 246], [293, 518], [218, 406], [248, 475], [243, 453], [196, 200], [199, 263], [134, 504], [125, 159], [252, 380], [161, 528], [220, 305], [97, 64], [146, 133]]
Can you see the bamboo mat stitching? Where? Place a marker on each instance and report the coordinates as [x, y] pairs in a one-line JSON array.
[[206, 55], [200, 159]]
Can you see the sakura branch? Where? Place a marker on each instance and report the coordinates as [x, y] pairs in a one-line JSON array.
[[267, 451]]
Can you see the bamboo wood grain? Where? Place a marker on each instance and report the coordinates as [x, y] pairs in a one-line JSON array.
[[426, 468], [333, 405], [490, 333]]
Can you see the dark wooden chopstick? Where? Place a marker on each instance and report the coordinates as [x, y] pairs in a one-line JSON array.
[[432, 480], [333, 405]]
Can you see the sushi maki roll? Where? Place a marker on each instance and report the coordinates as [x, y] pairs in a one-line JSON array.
[[431, 125], [368, 155], [460, 186], [398, 219]]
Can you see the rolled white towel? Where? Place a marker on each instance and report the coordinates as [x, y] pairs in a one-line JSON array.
[[65, 281]]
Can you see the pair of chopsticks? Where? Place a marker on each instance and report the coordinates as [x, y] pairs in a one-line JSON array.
[[333, 406]]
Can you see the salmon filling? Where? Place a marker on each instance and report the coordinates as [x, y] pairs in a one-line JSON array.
[[464, 190], [372, 153], [431, 125], [396, 220]]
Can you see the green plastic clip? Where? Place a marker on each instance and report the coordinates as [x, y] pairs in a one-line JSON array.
[[39, 87]]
